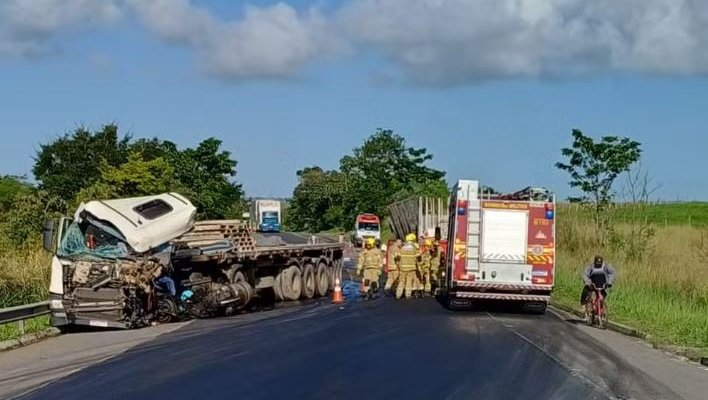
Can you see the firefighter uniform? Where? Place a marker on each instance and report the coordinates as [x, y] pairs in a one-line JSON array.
[[370, 262], [394, 253], [407, 266], [425, 271], [435, 265]]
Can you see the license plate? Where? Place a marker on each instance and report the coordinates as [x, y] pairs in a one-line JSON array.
[[95, 322]]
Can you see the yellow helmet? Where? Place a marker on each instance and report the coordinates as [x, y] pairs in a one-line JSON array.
[[370, 241], [410, 237]]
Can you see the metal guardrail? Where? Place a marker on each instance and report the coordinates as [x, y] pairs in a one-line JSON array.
[[20, 313]]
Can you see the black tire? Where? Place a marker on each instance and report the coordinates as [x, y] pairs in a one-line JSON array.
[[322, 279], [291, 283], [535, 307], [278, 287], [166, 310], [332, 273], [309, 283]]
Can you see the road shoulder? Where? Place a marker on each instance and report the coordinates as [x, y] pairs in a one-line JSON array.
[[27, 368], [686, 378]]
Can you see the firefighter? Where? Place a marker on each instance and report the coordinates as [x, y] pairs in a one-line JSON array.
[[424, 268], [394, 253], [407, 267], [435, 264], [370, 263]]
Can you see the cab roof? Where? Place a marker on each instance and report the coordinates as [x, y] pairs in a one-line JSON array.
[[145, 222]]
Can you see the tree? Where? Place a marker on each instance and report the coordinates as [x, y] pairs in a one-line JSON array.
[[136, 177], [206, 172], [384, 169], [72, 162], [11, 187], [84, 165], [25, 219], [593, 168], [317, 202]]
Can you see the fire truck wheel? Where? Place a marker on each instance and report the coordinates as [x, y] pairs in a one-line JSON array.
[[322, 279], [535, 307], [292, 283], [308, 281]]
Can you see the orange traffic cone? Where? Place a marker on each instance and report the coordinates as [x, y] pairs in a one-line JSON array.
[[337, 294]]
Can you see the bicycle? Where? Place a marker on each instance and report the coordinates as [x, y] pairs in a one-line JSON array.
[[596, 308]]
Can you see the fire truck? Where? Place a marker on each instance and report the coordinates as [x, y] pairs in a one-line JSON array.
[[500, 247]]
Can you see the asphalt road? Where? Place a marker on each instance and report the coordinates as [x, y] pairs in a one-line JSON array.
[[380, 349]]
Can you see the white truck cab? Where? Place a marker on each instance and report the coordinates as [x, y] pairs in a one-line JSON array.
[[100, 244]]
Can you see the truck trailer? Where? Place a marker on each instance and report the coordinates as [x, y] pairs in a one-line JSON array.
[[126, 263]]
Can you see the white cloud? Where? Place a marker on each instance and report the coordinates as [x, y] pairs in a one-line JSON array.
[[28, 27], [451, 42], [434, 42], [274, 41]]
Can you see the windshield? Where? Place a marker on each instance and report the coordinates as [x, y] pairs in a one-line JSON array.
[[92, 240], [270, 216], [368, 226]]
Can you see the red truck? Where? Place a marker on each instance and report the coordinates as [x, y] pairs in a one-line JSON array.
[[500, 247]]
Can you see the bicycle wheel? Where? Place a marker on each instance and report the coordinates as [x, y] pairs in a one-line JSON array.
[[602, 317], [589, 311]]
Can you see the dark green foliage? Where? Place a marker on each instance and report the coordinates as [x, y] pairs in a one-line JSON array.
[[381, 171], [72, 162], [593, 167], [84, 165], [10, 187]]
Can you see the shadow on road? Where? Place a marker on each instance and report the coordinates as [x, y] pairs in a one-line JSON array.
[[509, 308]]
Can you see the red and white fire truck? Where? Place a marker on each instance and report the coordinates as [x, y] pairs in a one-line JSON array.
[[500, 247]]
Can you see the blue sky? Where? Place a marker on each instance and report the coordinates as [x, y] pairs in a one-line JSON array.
[[493, 95]]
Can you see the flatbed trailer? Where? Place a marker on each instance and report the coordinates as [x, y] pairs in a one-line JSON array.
[[285, 265]]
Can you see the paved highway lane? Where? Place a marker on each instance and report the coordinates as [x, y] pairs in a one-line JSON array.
[[380, 349]]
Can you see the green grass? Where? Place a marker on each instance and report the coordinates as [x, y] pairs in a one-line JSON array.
[[664, 294], [11, 330], [693, 214]]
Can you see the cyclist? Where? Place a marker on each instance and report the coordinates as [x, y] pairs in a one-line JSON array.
[[598, 274]]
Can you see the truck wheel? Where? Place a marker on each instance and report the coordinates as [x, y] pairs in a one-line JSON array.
[[292, 283], [278, 287], [308, 281], [535, 307], [335, 271], [322, 279]]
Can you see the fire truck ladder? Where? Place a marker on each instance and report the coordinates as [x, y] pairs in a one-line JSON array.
[[474, 213]]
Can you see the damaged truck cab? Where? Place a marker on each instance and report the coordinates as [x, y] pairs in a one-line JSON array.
[[126, 263], [107, 259]]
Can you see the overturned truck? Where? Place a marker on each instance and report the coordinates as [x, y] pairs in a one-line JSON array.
[[126, 263]]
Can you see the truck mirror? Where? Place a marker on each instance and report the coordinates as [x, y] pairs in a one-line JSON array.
[[48, 236]]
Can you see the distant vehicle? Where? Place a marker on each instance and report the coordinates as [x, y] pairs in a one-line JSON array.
[[501, 247], [267, 215], [367, 226]]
